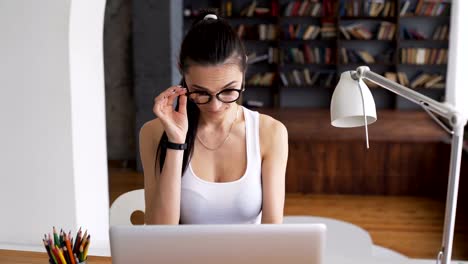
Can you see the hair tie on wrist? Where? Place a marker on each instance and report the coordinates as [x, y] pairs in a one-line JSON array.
[[212, 16]]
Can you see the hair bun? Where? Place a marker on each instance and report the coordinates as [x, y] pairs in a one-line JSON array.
[[210, 16]]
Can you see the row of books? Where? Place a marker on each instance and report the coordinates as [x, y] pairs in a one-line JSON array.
[[252, 9], [358, 56], [301, 31], [306, 78], [303, 8], [309, 55], [260, 31], [440, 33], [354, 56], [423, 56], [426, 8], [328, 29], [309, 32], [386, 31], [419, 80], [422, 80], [372, 8], [262, 79], [272, 56]]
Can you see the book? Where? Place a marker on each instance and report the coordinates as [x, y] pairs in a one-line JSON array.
[[419, 80], [404, 7], [433, 80]]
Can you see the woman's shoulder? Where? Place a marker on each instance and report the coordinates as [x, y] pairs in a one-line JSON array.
[[268, 123], [271, 130]]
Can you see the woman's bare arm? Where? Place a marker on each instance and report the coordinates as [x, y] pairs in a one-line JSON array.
[[274, 144], [162, 190]]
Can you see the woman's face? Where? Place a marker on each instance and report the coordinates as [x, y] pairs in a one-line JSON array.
[[213, 79]]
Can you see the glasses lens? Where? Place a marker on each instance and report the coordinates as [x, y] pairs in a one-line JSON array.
[[199, 97], [229, 95]]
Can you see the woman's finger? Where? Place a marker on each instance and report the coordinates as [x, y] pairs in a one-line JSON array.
[[173, 96], [166, 93], [183, 103]]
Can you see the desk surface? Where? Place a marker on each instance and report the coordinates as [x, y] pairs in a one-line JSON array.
[[26, 257]]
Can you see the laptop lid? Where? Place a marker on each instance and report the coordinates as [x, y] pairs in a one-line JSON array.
[[210, 244]]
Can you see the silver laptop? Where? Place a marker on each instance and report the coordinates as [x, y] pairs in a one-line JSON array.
[[210, 244]]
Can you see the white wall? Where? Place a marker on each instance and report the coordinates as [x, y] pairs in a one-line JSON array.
[[457, 81], [52, 137]]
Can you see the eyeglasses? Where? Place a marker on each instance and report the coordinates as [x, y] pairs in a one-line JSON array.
[[225, 96]]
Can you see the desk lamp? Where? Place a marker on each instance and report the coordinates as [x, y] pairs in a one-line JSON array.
[[352, 105]]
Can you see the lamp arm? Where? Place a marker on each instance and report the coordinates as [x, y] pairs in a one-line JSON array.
[[443, 109], [457, 121]]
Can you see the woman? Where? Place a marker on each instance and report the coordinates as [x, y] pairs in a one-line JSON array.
[[210, 160]]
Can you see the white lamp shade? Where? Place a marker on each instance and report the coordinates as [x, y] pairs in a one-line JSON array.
[[346, 104]]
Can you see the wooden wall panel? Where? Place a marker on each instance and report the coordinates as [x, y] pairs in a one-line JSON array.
[[407, 155]]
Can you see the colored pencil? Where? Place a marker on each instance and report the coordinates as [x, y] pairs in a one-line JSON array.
[[51, 259], [62, 258], [76, 247], [70, 253], [81, 254], [56, 239], [56, 254], [85, 256]]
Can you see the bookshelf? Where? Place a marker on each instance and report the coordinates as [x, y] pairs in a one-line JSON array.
[[299, 48]]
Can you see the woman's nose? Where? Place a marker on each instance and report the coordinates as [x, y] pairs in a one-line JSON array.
[[215, 104]]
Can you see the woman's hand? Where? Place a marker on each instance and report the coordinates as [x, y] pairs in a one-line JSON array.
[[175, 123]]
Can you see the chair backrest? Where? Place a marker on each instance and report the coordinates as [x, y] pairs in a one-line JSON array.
[[125, 205]]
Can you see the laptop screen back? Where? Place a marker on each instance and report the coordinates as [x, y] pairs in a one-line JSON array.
[[210, 244]]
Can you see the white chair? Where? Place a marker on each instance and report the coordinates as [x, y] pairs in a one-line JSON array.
[[125, 205]]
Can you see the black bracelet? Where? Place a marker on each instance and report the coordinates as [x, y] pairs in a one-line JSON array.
[[175, 146]]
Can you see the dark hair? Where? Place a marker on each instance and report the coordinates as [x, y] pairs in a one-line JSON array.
[[208, 42]]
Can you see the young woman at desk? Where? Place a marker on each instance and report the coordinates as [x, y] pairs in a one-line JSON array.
[[210, 160]]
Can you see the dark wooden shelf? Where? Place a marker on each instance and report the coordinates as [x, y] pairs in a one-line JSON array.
[[424, 41], [311, 41], [387, 18], [266, 41], [366, 40], [286, 65], [302, 19], [259, 19], [357, 64], [423, 89], [315, 17], [415, 16], [423, 65], [307, 87]]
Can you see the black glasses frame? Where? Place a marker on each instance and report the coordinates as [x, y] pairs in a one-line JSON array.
[[217, 95]]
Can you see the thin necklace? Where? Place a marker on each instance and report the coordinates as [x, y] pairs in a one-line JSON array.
[[229, 133]]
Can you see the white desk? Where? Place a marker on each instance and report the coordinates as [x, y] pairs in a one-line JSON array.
[[350, 244]]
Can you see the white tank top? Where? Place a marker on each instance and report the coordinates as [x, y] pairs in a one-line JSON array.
[[235, 202]]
